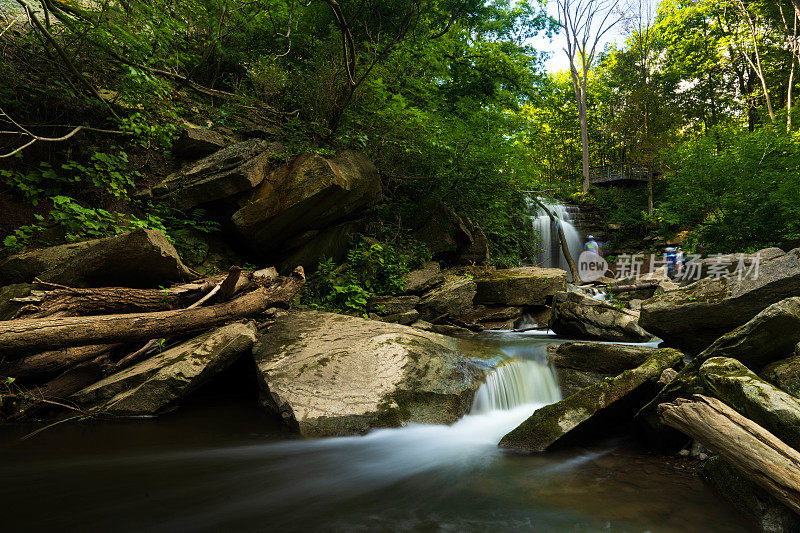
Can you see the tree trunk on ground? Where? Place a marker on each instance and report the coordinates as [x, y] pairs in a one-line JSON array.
[[23, 336], [756, 452], [576, 277], [68, 301], [41, 366]]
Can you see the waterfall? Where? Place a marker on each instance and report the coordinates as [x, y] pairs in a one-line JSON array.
[[551, 255], [514, 383]]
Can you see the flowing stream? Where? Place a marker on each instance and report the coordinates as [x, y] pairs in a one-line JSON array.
[[221, 464]]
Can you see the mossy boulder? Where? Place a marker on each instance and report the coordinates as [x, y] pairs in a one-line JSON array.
[[576, 314], [160, 382], [330, 374], [581, 364], [423, 279], [767, 337], [770, 407], [523, 286], [556, 422], [784, 374], [452, 297], [692, 317], [138, 258], [392, 305]]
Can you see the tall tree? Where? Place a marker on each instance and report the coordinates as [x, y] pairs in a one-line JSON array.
[[585, 22]]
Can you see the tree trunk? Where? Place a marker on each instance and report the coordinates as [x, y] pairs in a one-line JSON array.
[[756, 452], [41, 366], [650, 192], [584, 137], [20, 336]]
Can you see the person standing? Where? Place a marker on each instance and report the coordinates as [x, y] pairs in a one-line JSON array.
[[591, 245]]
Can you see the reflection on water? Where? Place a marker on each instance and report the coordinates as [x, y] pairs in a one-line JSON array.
[[221, 464]]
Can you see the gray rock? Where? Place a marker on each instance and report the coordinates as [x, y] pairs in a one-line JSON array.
[[160, 382], [311, 193], [406, 318], [581, 364], [771, 515], [784, 374], [454, 297], [227, 172], [450, 236], [477, 251], [524, 286], [552, 423], [492, 317], [770, 407], [330, 374], [692, 317], [392, 305], [198, 142], [308, 249], [139, 258], [578, 315], [423, 279], [8, 308]]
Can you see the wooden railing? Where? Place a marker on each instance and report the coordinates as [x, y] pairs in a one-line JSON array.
[[618, 172]]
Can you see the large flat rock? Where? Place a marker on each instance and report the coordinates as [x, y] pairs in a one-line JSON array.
[[523, 286], [331, 374], [139, 258], [553, 423], [452, 297], [160, 382], [692, 317]]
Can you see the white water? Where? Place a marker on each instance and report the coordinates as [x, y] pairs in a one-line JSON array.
[[551, 254], [516, 383]]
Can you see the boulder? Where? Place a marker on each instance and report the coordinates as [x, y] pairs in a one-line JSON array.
[[771, 515], [310, 194], [581, 364], [453, 297], [423, 279], [492, 317], [578, 315], [767, 337], [139, 258], [692, 317], [554, 423], [726, 264], [8, 308], [227, 172], [160, 382], [198, 142], [405, 318], [450, 236], [523, 286], [768, 406], [308, 249], [784, 374], [331, 374], [392, 305]]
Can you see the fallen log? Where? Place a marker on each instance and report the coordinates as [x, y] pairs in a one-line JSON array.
[[42, 366], [756, 452], [18, 337], [68, 301], [632, 287]]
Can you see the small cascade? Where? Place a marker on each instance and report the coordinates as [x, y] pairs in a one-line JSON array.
[[597, 293], [516, 382], [551, 254]]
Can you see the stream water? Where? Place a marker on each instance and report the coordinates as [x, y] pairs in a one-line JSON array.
[[219, 463]]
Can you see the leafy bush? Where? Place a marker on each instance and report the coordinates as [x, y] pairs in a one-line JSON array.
[[371, 269]]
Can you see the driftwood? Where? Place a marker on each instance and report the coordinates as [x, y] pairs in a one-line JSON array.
[[18, 337], [576, 277], [756, 452], [632, 287], [68, 301], [41, 366]]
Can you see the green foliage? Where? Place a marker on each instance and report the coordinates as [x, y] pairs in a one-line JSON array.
[[371, 269], [739, 190], [107, 171]]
